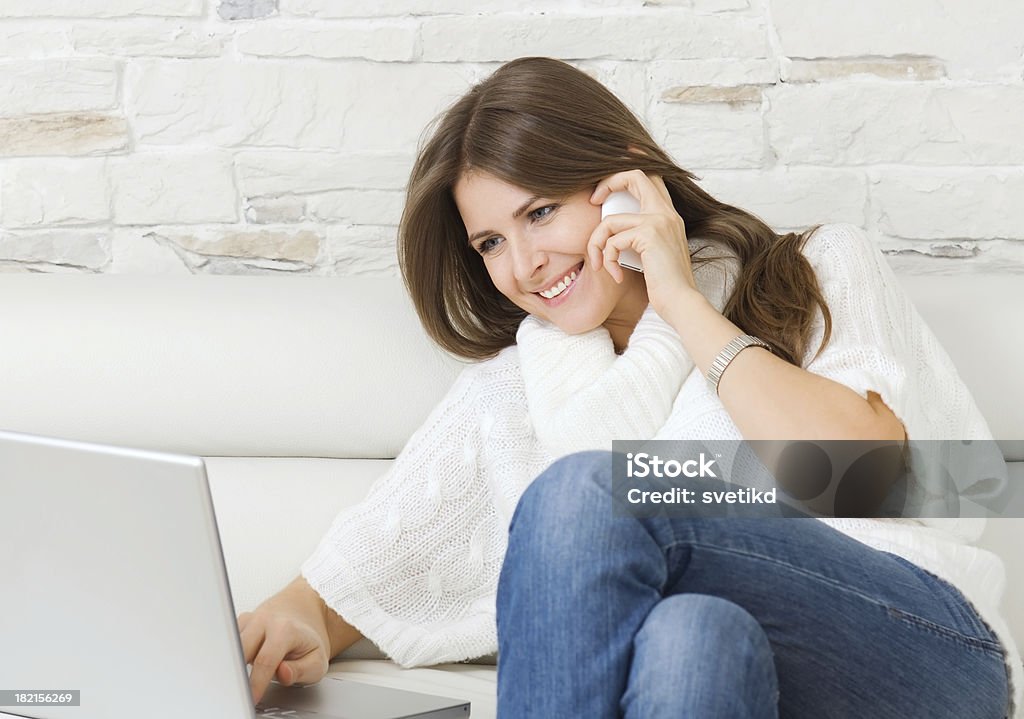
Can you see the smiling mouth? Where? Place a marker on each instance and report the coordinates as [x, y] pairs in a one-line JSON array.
[[559, 289]]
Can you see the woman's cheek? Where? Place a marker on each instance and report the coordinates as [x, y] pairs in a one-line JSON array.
[[503, 278]]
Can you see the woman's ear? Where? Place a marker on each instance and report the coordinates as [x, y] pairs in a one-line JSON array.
[[636, 150]]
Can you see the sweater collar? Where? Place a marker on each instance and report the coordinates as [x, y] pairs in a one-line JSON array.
[[581, 395]]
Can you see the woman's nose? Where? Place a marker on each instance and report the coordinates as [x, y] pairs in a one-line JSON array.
[[527, 261]]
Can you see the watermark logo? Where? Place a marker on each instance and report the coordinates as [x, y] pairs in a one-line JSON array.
[[823, 478], [644, 465]]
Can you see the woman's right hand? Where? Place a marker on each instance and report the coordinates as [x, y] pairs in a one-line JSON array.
[[278, 641]]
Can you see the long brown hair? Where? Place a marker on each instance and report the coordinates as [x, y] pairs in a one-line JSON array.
[[544, 126]]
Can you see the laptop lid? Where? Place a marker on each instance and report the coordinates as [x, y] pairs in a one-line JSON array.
[[114, 586]]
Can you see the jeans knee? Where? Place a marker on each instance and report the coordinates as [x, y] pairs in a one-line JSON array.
[[693, 623], [701, 655]]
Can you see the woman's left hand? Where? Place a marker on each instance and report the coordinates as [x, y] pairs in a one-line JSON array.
[[656, 232]]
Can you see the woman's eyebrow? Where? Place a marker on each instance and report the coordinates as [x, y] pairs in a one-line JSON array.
[[515, 215]]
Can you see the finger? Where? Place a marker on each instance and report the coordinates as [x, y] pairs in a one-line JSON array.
[[594, 256], [305, 669], [610, 257], [613, 248], [596, 242], [609, 226], [265, 664], [252, 639], [635, 182], [662, 188], [288, 673]]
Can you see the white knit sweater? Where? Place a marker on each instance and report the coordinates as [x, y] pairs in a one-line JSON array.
[[414, 566]]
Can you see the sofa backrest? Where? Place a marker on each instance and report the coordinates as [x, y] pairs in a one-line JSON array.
[[977, 320], [218, 365]]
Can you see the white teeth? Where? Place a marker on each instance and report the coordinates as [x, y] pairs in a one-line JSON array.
[[559, 288]]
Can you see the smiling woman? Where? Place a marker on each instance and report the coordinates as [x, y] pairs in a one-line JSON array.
[[538, 129], [538, 260], [500, 533]]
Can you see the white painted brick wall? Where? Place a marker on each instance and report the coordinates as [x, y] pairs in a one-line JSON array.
[[262, 136], [99, 8], [49, 191], [31, 87], [185, 187]]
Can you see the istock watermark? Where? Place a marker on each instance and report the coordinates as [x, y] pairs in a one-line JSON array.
[[870, 479], [645, 465]]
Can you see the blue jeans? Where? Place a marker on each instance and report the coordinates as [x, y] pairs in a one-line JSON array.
[[606, 616]]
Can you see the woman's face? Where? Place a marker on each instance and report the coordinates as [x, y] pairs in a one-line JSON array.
[[531, 244]]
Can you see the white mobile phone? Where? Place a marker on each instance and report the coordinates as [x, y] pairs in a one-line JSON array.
[[615, 203]]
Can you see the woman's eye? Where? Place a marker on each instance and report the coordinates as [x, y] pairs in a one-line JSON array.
[[483, 248], [539, 212]]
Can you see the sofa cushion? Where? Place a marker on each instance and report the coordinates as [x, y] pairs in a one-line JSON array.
[[478, 684]]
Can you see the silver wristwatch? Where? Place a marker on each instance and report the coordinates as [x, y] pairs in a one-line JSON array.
[[728, 354]]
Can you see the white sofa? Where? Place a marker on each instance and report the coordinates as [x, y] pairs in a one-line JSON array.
[[299, 390]]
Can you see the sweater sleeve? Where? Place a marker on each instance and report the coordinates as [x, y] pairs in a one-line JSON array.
[[414, 566], [880, 343], [582, 395]]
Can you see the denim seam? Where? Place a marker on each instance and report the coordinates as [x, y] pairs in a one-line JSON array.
[[967, 641], [971, 642], [953, 599]]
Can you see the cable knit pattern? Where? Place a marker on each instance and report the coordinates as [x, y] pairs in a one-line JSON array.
[[414, 566]]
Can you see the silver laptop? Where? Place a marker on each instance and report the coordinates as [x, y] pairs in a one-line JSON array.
[[114, 600]]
